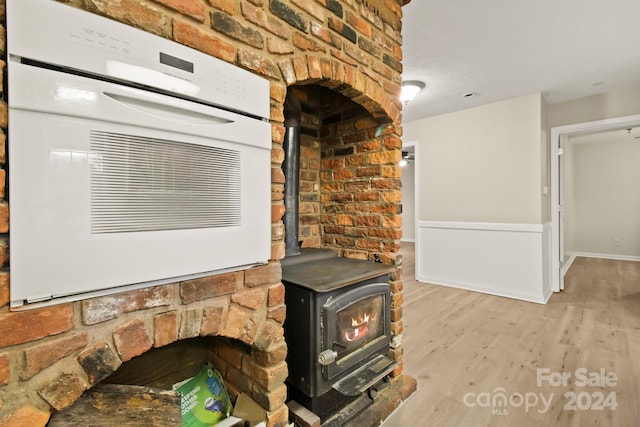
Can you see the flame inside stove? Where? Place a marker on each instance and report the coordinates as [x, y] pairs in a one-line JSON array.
[[359, 327]]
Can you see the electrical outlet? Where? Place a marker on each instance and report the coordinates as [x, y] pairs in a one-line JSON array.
[[616, 241]]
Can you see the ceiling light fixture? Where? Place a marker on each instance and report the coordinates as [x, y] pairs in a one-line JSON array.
[[410, 89]]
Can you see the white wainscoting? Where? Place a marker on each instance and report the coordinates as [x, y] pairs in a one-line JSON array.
[[499, 259]]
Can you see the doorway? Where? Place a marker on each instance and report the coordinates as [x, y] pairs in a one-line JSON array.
[[559, 138], [408, 180]]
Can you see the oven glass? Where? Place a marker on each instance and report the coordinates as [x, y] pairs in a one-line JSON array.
[[359, 323]]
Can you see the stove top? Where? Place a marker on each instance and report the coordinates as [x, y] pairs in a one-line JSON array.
[[323, 271]]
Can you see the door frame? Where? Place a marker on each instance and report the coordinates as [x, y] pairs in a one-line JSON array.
[[558, 135]]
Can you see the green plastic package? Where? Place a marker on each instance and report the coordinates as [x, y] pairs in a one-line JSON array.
[[204, 401]]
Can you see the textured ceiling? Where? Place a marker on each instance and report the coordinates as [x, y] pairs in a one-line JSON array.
[[500, 49]]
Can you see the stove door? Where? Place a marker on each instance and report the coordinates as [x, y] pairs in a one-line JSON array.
[[356, 327]]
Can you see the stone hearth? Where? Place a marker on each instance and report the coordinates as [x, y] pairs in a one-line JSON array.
[[343, 58]]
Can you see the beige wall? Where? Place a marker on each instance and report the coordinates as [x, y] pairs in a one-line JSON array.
[[481, 164], [408, 202], [602, 182], [597, 107], [545, 170]]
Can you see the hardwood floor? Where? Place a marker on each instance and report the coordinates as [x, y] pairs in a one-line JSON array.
[[467, 350]]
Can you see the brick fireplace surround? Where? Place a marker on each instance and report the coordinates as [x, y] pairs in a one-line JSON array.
[[351, 203]]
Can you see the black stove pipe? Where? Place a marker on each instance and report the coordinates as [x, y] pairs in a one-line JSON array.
[[291, 166]]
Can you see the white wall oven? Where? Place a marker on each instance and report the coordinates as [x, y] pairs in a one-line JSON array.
[[133, 160]]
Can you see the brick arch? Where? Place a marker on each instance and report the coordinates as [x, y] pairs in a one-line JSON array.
[[245, 306], [376, 94]]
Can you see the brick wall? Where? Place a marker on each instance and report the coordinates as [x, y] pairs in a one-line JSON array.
[[351, 203]]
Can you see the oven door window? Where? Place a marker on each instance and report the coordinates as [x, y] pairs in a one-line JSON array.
[[359, 324]]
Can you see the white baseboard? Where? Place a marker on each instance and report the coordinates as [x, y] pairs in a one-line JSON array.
[[498, 259], [486, 290], [604, 256], [567, 265]]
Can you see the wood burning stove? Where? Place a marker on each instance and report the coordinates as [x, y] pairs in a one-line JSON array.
[[338, 331]]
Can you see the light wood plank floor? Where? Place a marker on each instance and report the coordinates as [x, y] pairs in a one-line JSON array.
[[466, 348]]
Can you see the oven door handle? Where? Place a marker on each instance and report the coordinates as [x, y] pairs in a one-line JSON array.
[[172, 109]]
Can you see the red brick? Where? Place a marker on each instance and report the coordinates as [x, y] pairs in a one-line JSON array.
[[396, 314], [359, 24], [391, 171], [277, 251], [279, 314], [392, 221], [131, 340], [277, 176], [3, 144], [271, 333], [27, 416], [325, 35], [326, 69], [99, 361], [252, 298], [278, 47], [2, 182], [165, 328], [263, 275], [385, 233], [224, 5], [212, 318], [278, 417], [392, 143], [4, 288], [277, 231], [192, 36], [257, 16], [190, 8], [359, 55], [63, 390], [135, 13], [315, 72], [210, 287], [314, 9], [271, 357], [391, 196], [277, 212], [42, 356], [230, 354], [97, 310], [277, 130], [276, 114], [397, 328], [234, 28], [370, 171], [270, 400], [288, 71], [4, 217], [305, 43], [258, 63], [301, 69], [386, 184], [25, 326], [239, 325], [276, 295], [268, 377], [344, 220], [278, 92], [4, 109], [191, 323], [5, 371]]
